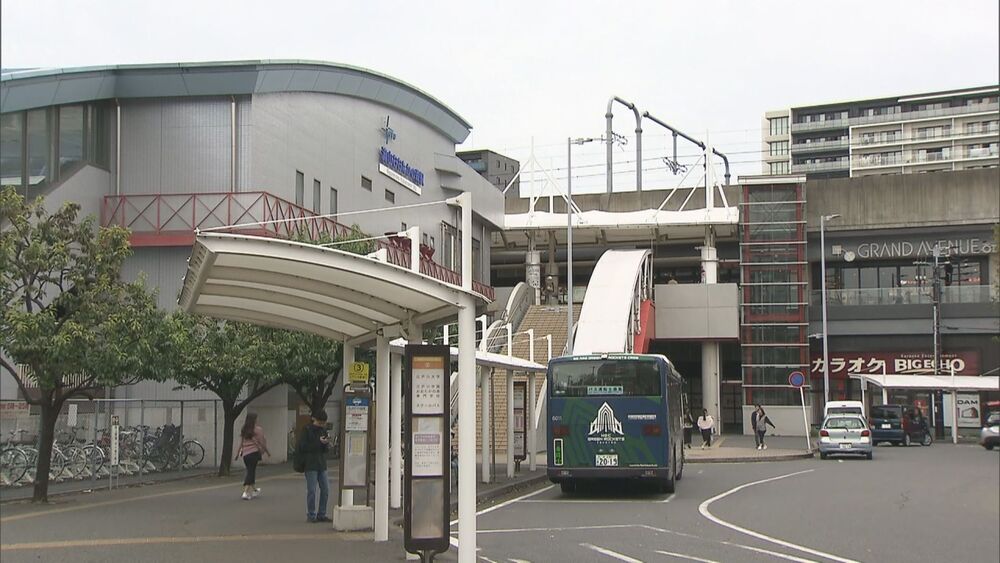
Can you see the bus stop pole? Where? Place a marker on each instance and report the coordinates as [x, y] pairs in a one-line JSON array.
[[510, 424], [487, 409], [346, 494], [532, 429], [954, 408]]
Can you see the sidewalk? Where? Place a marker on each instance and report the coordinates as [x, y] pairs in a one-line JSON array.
[[735, 448]]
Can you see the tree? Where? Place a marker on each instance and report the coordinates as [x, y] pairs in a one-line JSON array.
[[66, 314], [238, 362], [312, 365]]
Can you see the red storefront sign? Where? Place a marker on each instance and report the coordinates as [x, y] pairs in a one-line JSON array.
[[965, 362]]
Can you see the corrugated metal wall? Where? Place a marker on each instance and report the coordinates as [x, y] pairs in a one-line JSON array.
[[176, 145]]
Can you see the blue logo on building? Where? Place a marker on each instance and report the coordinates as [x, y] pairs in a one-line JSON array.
[[398, 165]]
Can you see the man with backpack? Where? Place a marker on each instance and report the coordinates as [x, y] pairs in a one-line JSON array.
[[310, 459]]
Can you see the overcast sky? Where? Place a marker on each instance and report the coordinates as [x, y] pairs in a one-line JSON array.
[[544, 70]]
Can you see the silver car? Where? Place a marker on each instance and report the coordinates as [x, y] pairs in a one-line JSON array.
[[989, 436], [845, 434]]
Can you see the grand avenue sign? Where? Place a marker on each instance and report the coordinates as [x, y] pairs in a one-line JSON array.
[[916, 248]]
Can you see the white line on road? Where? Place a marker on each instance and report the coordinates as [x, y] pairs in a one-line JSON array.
[[730, 544], [487, 559], [610, 553], [703, 509], [668, 499], [682, 556], [771, 553], [556, 529], [454, 540]]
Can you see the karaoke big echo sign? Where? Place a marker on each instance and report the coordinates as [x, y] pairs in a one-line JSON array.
[[965, 362]]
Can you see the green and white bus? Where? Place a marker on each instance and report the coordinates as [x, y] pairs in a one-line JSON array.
[[614, 416]]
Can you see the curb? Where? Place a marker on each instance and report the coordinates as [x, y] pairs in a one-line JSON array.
[[784, 457]]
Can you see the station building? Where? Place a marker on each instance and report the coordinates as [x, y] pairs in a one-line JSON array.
[[169, 149], [764, 315]]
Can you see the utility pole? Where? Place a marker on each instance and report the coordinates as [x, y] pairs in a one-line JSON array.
[[936, 302]]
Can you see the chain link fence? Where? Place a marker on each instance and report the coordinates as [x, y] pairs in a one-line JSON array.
[[110, 442]]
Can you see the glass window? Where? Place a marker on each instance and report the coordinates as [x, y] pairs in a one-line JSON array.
[[477, 260], [589, 378], [844, 423], [390, 197], [851, 279], [39, 171], [317, 196], [869, 278], [366, 183], [779, 125], [70, 137], [99, 136], [778, 148], [11, 148], [887, 277], [300, 188], [333, 202]]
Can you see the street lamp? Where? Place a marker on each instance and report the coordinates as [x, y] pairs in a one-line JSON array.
[[569, 234], [822, 275]]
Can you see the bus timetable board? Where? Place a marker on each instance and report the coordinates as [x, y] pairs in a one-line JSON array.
[[520, 420], [427, 500]]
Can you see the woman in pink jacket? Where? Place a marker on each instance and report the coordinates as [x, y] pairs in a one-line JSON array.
[[253, 445]]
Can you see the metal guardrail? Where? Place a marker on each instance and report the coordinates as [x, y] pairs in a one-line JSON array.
[[173, 219]]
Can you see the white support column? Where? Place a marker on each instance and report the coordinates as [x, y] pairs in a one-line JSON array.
[[485, 416], [396, 431], [532, 428], [510, 424], [382, 438], [467, 396], [346, 495], [710, 375], [510, 339]]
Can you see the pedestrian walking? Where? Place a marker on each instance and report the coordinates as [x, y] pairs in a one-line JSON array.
[[311, 453], [706, 424], [759, 422], [253, 447], [688, 428]]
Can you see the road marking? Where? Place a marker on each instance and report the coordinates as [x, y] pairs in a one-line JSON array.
[[109, 542], [610, 553], [703, 509], [668, 499], [555, 529], [688, 557], [730, 544], [519, 561], [487, 559], [43, 512], [454, 540], [771, 553]]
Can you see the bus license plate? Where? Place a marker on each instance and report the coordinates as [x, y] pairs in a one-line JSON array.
[[606, 460]]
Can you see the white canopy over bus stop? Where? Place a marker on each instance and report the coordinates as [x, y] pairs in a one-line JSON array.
[[356, 299]]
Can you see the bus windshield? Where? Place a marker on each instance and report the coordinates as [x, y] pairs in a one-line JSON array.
[[602, 378]]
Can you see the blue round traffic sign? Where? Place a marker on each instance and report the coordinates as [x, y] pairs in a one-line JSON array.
[[796, 379]]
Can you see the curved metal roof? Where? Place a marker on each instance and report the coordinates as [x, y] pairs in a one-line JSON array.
[[297, 286], [28, 89]]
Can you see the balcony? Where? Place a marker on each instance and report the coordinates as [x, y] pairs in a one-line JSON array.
[[923, 114], [801, 126], [904, 295], [172, 220], [799, 148], [821, 166]]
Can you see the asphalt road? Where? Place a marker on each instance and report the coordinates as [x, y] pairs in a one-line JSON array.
[[909, 504]]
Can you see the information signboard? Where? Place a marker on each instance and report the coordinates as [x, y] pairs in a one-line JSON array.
[[427, 502], [355, 422], [358, 373], [520, 420]]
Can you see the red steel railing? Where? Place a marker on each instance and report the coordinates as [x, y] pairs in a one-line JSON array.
[[172, 219]]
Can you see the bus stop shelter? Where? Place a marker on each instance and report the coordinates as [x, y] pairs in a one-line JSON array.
[[356, 299]]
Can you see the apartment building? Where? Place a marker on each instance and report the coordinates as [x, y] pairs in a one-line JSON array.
[[931, 132]]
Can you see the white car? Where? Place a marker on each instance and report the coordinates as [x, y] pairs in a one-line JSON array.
[[989, 436]]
